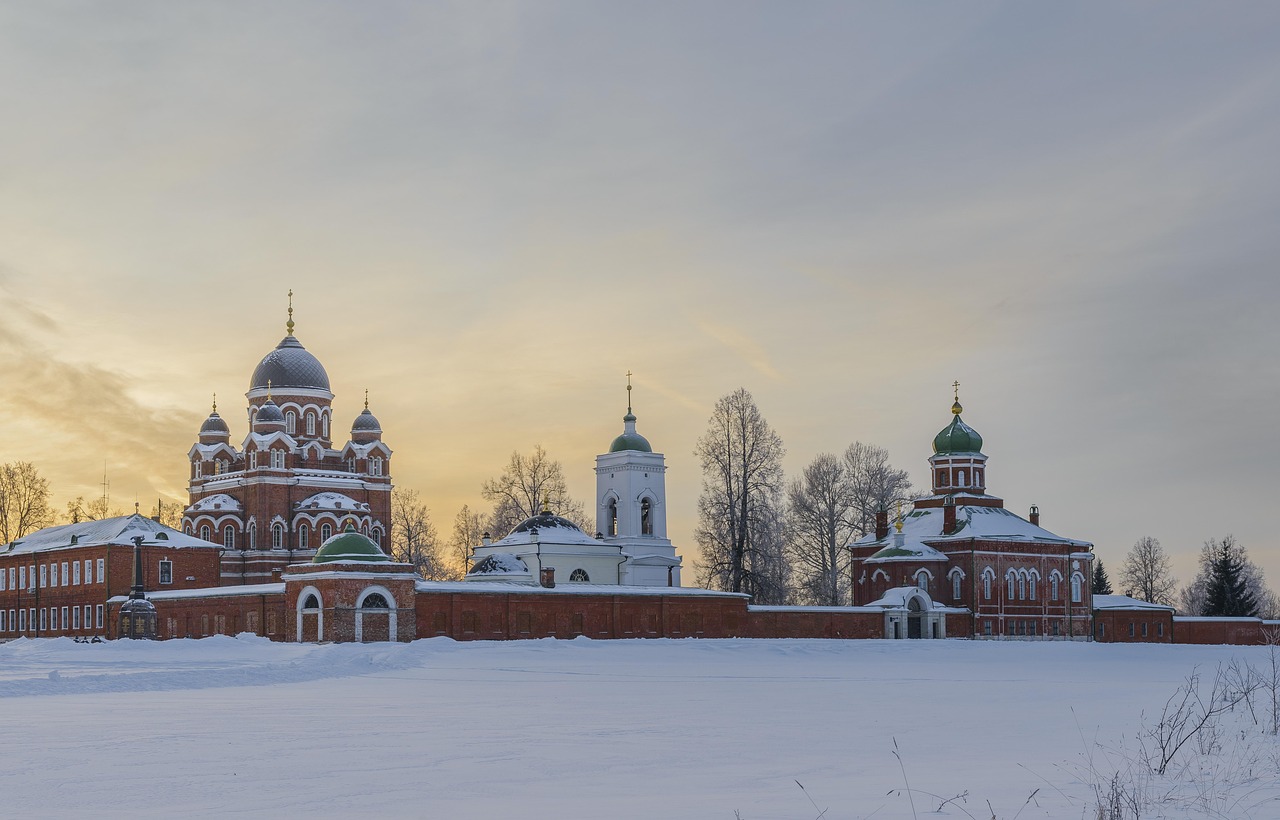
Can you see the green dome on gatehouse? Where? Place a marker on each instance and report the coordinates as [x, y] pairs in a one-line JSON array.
[[349, 545], [958, 437]]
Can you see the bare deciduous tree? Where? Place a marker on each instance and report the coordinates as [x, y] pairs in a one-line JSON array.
[[740, 526], [95, 510], [1147, 573], [525, 484], [874, 483], [821, 516], [468, 528], [24, 500], [413, 536]]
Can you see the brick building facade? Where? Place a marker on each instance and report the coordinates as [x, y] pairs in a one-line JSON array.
[[964, 548]]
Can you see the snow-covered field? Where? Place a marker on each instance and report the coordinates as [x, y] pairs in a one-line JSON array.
[[604, 729]]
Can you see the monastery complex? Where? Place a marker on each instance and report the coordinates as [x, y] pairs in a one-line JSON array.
[[286, 536]]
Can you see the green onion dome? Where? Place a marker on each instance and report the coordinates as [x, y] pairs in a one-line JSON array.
[[958, 437], [349, 545]]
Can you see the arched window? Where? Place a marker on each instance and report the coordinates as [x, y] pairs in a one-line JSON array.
[[977, 478], [376, 535], [253, 460], [955, 586], [218, 466], [1075, 588], [229, 537], [326, 532], [277, 459], [646, 517], [303, 532], [986, 586], [312, 602], [277, 537], [291, 422], [325, 424], [1053, 587], [375, 466], [960, 478], [199, 465], [204, 532], [311, 424], [1022, 587], [922, 581], [374, 600], [612, 517], [1031, 587], [942, 478], [1009, 578], [579, 575]]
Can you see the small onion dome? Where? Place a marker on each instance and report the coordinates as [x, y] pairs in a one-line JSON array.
[[366, 422], [630, 439], [268, 415], [544, 520], [958, 437], [214, 426], [349, 545], [289, 365]]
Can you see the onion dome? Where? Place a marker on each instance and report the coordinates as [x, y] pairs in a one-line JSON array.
[[366, 425], [214, 425], [268, 415], [290, 365], [349, 545], [958, 437], [630, 439]]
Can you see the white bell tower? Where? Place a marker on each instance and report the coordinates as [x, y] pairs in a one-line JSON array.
[[631, 506]]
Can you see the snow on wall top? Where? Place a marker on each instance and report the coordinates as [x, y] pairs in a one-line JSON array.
[[119, 530], [511, 587]]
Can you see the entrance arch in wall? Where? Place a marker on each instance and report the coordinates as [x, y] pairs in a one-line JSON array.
[[310, 616], [915, 616], [375, 615]]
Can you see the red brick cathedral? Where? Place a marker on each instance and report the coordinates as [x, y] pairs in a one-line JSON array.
[[961, 546], [286, 489]]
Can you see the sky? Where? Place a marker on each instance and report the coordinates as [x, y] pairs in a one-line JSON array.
[[490, 213]]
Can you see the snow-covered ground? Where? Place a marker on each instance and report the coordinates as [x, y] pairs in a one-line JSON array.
[[600, 729]]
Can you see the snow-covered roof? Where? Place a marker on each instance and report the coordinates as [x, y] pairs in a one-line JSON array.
[[898, 597], [208, 592], [331, 501], [1125, 602], [221, 502], [902, 549], [983, 523], [548, 529], [120, 530]]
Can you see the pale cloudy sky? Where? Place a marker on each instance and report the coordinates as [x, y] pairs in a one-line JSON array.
[[491, 211]]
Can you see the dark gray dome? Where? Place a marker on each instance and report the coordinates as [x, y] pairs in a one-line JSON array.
[[214, 424], [289, 365], [269, 413], [366, 422], [545, 520]]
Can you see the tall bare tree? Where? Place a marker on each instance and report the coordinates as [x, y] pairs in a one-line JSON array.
[[93, 510], [821, 516], [24, 500], [874, 484], [1147, 572], [468, 528], [413, 536], [525, 484], [740, 524]]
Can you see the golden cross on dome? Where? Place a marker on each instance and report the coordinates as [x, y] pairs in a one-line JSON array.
[[215, 402], [898, 524], [268, 389], [289, 324], [956, 385], [628, 391], [366, 398], [546, 503]]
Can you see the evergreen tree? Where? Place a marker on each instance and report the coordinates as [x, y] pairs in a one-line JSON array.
[[1101, 583], [1228, 591]]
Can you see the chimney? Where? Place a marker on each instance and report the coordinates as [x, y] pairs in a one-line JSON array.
[[882, 523], [948, 515], [1034, 518], [547, 577]]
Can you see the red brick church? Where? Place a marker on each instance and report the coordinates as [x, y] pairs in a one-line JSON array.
[[288, 487], [961, 546]]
